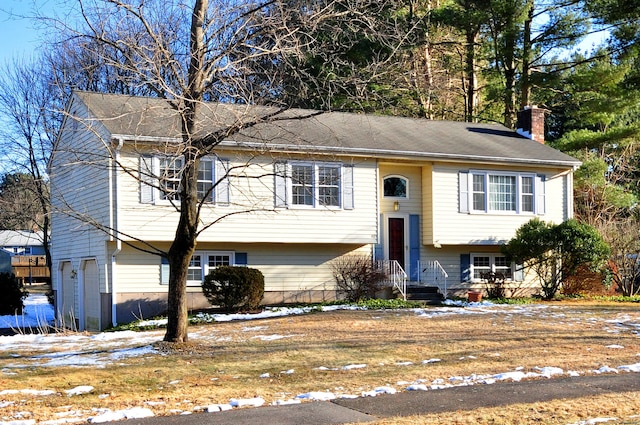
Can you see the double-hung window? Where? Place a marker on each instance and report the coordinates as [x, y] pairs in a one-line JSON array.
[[170, 171], [501, 192], [205, 180], [329, 185], [485, 263], [160, 179], [300, 184], [202, 262]]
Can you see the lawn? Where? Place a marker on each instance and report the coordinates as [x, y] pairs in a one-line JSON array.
[[343, 352]]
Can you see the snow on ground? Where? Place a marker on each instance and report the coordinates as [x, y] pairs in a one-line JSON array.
[[37, 311], [100, 350]]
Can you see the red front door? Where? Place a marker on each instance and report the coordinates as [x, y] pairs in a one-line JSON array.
[[396, 240]]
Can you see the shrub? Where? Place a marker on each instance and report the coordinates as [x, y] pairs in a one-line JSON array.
[[555, 252], [234, 288], [357, 277], [13, 294], [495, 285]]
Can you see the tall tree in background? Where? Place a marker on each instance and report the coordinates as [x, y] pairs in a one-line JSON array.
[[470, 17], [26, 139], [19, 206], [525, 36], [600, 125]]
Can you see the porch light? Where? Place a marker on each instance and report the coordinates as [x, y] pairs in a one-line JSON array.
[[396, 206]]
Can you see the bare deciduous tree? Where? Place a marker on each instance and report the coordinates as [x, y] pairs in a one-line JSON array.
[[26, 139], [190, 53], [625, 254]]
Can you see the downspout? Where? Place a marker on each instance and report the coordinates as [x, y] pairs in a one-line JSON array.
[[115, 195]]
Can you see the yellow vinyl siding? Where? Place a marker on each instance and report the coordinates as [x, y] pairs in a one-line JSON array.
[[251, 214], [428, 205], [449, 259], [452, 227], [286, 267], [412, 204]]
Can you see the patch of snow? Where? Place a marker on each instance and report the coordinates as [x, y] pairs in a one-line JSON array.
[[549, 371], [354, 366], [108, 415], [254, 328], [514, 376], [218, 408], [272, 337], [286, 402], [606, 369], [244, 402], [616, 346], [37, 313], [417, 387], [317, 395], [36, 393], [79, 390], [595, 421], [431, 361], [630, 367], [379, 390]]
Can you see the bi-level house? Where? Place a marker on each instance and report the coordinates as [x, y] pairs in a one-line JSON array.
[[289, 197]]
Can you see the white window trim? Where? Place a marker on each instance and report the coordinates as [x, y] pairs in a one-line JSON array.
[[157, 192], [518, 176], [492, 265], [205, 264], [390, 176], [314, 184], [218, 196]]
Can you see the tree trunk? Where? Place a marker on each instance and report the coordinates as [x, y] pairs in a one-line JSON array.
[[184, 243], [470, 71], [181, 251], [525, 84], [510, 36]]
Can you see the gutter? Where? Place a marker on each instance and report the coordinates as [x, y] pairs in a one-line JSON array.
[[115, 195]]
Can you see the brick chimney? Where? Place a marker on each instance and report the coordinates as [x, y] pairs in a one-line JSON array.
[[531, 123]]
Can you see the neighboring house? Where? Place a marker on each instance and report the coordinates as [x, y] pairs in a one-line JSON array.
[[293, 195], [22, 253]]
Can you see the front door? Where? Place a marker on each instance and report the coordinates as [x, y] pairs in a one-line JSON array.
[[396, 240]]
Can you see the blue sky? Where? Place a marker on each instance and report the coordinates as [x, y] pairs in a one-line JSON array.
[[19, 35]]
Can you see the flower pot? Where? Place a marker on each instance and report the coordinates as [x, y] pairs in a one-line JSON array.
[[474, 296]]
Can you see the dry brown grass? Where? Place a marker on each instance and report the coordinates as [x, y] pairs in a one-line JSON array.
[[225, 360]]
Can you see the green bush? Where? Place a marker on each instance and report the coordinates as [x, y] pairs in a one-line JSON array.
[[13, 294], [234, 288], [555, 252]]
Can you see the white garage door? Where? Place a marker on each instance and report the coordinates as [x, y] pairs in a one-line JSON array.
[[67, 310], [91, 295]]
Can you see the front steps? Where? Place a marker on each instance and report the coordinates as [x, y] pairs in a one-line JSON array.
[[426, 294]]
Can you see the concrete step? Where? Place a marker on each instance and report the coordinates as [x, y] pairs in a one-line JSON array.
[[428, 294]]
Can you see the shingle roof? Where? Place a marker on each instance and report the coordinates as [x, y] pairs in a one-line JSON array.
[[330, 132]]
